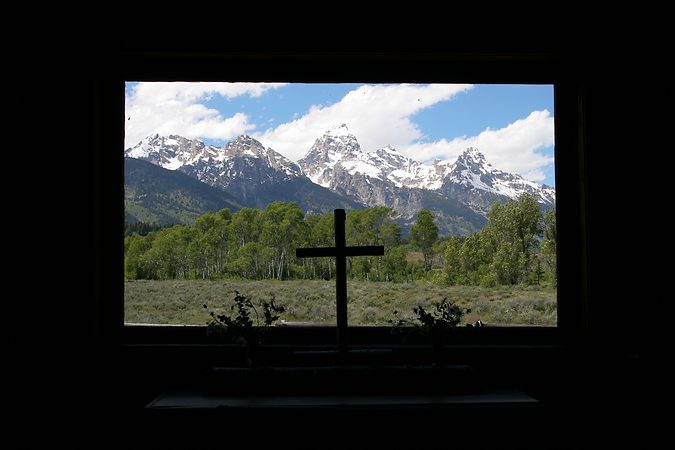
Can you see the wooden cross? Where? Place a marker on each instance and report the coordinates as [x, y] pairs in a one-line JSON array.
[[340, 252]]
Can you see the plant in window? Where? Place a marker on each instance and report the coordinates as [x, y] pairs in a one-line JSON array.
[[239, 328], [436, 325]]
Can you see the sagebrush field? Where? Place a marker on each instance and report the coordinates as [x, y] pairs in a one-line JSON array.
[[370, 303]]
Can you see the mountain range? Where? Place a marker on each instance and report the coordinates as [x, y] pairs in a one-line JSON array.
[[334, 173]]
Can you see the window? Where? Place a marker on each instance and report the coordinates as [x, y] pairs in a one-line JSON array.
[[379, 73], [221, 211]]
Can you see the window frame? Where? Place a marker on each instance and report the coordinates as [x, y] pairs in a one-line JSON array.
[[502, 68]]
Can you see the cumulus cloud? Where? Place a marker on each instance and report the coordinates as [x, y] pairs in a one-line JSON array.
[[174, 108], [512, 148], [376, 114]]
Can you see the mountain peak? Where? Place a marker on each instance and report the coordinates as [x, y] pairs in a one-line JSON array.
[[244, 138], [336, 144], [472, 157], [245, 145], [472, 173], [472, 161], [338, 130]]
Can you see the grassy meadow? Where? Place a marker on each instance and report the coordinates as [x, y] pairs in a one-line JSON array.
[[369, 303]]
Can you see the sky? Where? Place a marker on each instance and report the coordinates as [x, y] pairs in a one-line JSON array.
[[512, 125]]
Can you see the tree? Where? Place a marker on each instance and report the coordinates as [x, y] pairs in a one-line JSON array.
[[135, 259], [391, 235], [321, 234], [528, 223], [508, 263], [475, 255], [246, 225], [516, 221], [282, 224], [537, 273], [252, 260], [453, 261], [371, 226], [205, 247], [394, 264], [514, 229], [170, 254], [549, 244], [423, 235]]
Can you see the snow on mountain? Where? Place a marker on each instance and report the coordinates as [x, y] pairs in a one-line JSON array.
[[245, 168], [472, 173], [336, 161], [171, 152], [209, 163], [336, 145], [245, 146], [338, 150]]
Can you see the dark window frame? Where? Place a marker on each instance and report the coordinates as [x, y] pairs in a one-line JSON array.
[[506, 68]]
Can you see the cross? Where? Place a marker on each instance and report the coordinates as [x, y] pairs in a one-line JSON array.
[[340, 252]]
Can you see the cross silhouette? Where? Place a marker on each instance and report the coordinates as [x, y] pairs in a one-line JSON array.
[[340, 252]]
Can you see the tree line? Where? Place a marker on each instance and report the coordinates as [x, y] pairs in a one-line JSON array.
[[259, 244]]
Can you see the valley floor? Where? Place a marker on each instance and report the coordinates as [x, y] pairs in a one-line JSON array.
[[370, 303]]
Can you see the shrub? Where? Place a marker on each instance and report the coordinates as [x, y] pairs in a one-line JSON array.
[[239, 328], [435, 324]]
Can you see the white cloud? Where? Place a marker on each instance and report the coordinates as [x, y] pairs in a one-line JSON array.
[[512, 148], [173, 108], [377, 115]]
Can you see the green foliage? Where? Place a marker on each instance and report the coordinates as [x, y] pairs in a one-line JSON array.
[[508, 263], [141, 228], [135, 262], [453, 261], [537, 274], [259, 244], [507, 250], [423, 235], [549, 244], [246, 225], [240, 329], [394, 264]]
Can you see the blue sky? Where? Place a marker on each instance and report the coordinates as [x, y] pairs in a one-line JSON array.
[[512, 125]]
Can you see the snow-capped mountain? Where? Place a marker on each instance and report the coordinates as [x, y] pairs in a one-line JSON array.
[[217, 166], [337, 173], [243, 168], [384, 177], [336, 145], [171, 152], [338, 149], [472, 180], [337, 161]]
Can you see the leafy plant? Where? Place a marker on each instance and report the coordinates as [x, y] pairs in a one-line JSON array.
[[239, 328], [435, 325]]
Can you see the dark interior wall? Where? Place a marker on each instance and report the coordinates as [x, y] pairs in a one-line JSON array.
[[614, 126], [614, 119]]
